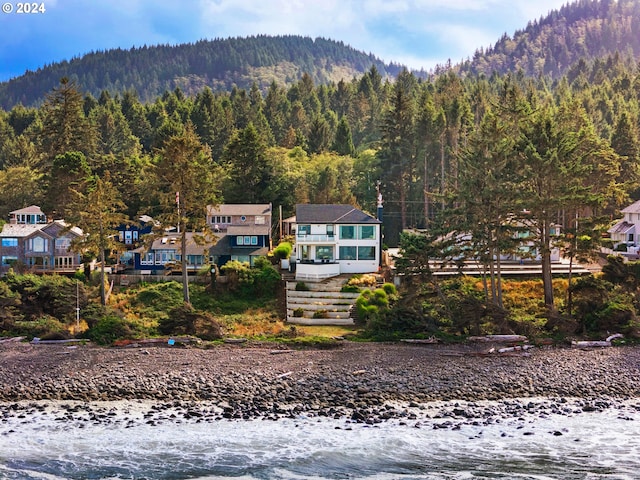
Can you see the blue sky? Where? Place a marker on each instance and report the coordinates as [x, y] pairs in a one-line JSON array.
[[416, 33]]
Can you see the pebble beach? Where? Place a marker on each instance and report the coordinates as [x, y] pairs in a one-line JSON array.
[[368, 382]]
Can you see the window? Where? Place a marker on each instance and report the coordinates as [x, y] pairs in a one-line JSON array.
[[260, 220], [247, 240], [347, 232], [64, 262], [347, 253], [241, 258], [220, 219], [165, 256], [9, 242], [195, 259], [324, 252], [9, 259], [367, 232], [366, 253], [304, 230], [240, 240], [63, 243], [330, 230], [147, 259], [254, 240], [38, 244]]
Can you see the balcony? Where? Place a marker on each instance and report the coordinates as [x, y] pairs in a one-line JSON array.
[[315, 238]]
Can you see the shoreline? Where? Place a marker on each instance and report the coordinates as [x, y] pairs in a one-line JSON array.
[[359, 380]]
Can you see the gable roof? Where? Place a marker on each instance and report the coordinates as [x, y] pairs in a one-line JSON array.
[[32, 209], [331, 213], [240, 209], [633, 208], [622, 227], [58, 227]]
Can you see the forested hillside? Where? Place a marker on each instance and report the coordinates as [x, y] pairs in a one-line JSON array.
[[585, 30], [491, 164], [219, 64]]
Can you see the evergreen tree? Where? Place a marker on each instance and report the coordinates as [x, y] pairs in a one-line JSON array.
[[65, 126], [342, 142], [69, 173], [184, 180], [249, 172], [98, 213]]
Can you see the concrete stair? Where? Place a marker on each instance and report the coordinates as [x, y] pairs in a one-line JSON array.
[[324, 297]]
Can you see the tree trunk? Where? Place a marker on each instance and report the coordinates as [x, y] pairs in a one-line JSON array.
[[547, 278], [499, 277], [103, 295], [425, 190], [183, 253]]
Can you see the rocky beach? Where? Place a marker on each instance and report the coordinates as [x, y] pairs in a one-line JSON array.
[[367, 382]]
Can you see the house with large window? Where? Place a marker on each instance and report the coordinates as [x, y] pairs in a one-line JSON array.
[[335, 239], [243, 232], [30, 242], [626, 231]]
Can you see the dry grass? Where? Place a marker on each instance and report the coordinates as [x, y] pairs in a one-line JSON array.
[[326, 331]]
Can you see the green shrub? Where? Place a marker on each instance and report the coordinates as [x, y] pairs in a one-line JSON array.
[[44, 327], [162, 296], [52, 295], [282, 251], [346, 288], [111, 328], [320, 314], [390, 289], [298, 312]]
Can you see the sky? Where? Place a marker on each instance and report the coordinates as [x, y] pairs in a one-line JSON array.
[[415, 33]]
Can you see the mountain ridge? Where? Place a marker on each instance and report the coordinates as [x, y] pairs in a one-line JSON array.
[[220, 64]]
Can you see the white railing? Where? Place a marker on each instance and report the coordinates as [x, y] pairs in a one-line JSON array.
[[315, 238], [316, 271]]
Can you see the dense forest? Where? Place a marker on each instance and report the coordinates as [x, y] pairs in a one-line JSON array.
[[554, 44], [469, 158], [220, 64]]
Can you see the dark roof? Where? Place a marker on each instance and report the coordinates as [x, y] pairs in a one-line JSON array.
[[332, 213]]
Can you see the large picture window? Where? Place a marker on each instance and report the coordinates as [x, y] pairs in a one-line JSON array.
[[366, 253], [9, 260], [38, 244], [324, 252], [367, 232], [347, 232], [9, 242], [347, 253]]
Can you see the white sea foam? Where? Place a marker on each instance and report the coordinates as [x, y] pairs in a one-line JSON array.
[[50, 444]]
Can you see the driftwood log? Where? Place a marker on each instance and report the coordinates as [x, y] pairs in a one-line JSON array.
[[499, 338]]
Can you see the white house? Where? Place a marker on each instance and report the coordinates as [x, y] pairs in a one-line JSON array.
[[625, 230], [335, 239]]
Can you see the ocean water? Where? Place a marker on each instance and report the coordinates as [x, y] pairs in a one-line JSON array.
[[132, 440]]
